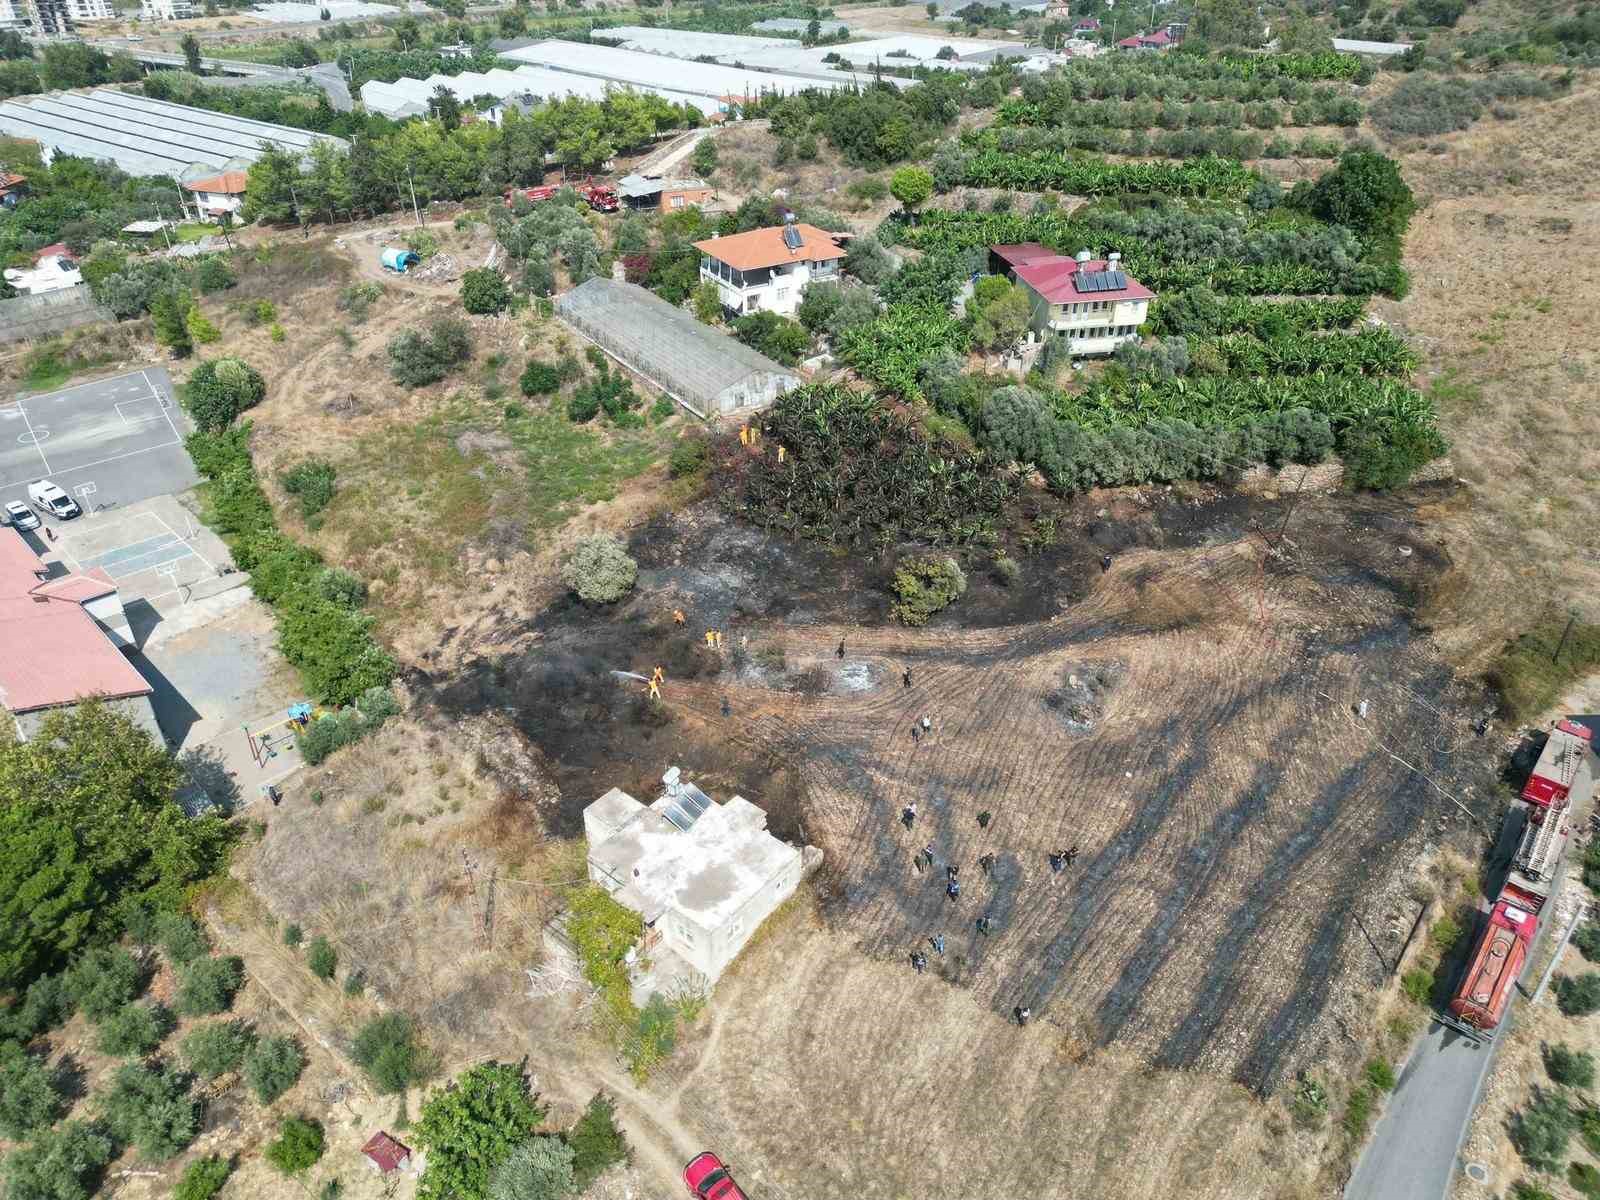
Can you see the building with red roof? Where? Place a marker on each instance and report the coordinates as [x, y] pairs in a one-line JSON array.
[[60, 640], [218, 196], [1161, 39], [769, 269], [1092, 302], [12, 188], [386, 1153]]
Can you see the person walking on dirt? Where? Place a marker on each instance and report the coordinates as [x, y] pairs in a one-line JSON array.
[[840, 651], [919, 961], [1057, 861], [984, 818], [916, 861], [984, 925], [916, 735], [1023, 1014], [952, 872], [953, 889], [1105, 564], [928, 850], [1071, 855], [987, 863], [906, 678], [937, 942], [927, 724], [727, 709], [908, 814]]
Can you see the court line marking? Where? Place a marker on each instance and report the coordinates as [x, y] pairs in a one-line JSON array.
[[96, 463], [36, 446], [127, 420], [186, 542], [166, 409]]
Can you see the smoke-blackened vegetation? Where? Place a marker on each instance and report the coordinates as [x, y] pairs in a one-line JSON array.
[[857, 472]]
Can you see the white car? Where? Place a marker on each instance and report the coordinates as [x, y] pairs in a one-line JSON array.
[[134, 37], [48, 499], [20, 516]]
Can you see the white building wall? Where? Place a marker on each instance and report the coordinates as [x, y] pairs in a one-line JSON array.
[[209, 203], [781, 293], [91, 10], [14, 15], [168, 10], [1091, 327]]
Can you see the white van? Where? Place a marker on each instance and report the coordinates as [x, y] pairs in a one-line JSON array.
[[51, 501]]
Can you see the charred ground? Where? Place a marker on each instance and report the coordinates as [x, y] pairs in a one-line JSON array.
[[1234, 815]]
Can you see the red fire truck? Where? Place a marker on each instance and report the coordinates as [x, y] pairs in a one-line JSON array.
[[1564, 775], [599, 196]]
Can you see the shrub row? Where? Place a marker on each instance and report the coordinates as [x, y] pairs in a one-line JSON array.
[[326, 636], [984, 164], [1178, 114], [1200, 311]]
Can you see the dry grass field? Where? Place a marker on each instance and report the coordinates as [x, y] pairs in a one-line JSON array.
[[1502, 307]]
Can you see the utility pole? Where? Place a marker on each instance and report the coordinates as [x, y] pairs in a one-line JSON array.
[[417, 212], [161, 223], [293, 195]]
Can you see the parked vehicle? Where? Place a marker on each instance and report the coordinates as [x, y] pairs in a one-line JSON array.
[[19, 516], [599, 196], [707, 1179], [51, 501], [1564, 776]]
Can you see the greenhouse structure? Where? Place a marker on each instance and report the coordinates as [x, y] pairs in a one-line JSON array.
[[706, 371]]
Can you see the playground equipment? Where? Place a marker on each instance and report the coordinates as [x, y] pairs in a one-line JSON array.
[[266, 740], [398, 259]]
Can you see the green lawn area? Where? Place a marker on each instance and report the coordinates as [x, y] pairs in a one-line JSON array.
[[192, 232], [569, 466]]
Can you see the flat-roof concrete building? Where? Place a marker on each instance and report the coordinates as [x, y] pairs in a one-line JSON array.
[[703, 875]]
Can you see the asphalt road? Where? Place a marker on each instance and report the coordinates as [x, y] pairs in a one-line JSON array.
[[1412, 1155]]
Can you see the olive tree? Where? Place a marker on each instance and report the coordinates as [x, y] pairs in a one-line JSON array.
[[599, 569]]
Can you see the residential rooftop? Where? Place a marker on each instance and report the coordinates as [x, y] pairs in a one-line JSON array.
[[769, 248]]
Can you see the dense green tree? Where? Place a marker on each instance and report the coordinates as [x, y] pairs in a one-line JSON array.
[[29, 1098], [470, 1126], [1365, 193], [596, 1141], [219, 389], [64, 1163], [134, 1029], [298, 1146], [272, 1067], [386, 1049], [322, 958], [599, 569], [89, 826], [169, 309], [203, 1178], [484, 291], [539, 1169], [207, 985], [102, 980], [704, 157], [152, 1111], [218, 1047], [911, 186], [190, 45], [1228, 23]]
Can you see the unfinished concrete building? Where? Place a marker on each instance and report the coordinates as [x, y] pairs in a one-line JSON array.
[[707, 372], [703, 875]]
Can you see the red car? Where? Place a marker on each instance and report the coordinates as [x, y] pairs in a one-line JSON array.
[[708, 1179]]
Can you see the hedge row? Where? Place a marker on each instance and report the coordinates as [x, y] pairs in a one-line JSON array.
[[321, 627]]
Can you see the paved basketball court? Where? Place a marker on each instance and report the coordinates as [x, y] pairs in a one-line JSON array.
[[156, 551], [108, 443]]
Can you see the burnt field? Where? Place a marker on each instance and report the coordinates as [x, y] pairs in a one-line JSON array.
[[1187, 719]]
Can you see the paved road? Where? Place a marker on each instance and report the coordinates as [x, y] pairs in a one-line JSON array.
[[327, 76], [1412, 1155]]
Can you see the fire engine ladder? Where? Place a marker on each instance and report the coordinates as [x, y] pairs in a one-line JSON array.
[[1567, 760], [1538, 843]]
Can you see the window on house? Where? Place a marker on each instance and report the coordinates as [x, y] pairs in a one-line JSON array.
[[676, 202], [783, 294]]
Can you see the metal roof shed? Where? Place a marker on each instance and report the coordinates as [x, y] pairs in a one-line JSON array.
[[707, 372]]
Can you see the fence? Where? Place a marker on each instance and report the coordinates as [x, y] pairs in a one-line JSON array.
[[27, 317]]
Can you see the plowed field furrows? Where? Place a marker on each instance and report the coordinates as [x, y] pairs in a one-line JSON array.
[[1238, 825]]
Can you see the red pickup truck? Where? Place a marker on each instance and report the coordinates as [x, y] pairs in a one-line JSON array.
[[707, 1179]]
